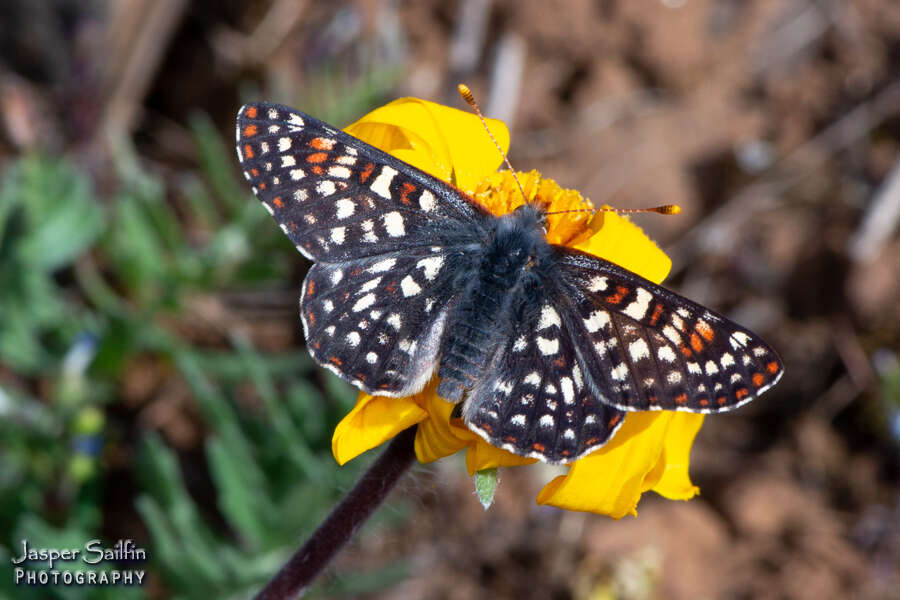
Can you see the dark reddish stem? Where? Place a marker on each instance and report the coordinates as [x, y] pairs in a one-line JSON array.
[[357, 506]]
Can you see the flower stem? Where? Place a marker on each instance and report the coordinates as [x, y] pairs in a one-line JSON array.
[[356, 507]]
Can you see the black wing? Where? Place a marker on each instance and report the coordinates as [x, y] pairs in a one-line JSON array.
[[536, 401], [338, 198], [643, 347]]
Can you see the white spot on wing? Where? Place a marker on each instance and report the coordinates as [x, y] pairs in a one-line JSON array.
[[637, 309], [599, 319], [340, 172], [549, 318], [395, 321], [369, 285], [371, 358], [666, 354], [393, 223], [568, 390], [288, 161], [431, 266], [638, 350], [382, 183], [547, 347], [520, 344], [337, 235], [533, 378], [620, 372], [284, 144], [325, 187], [409, 287], [598, 284], [383, 265], [364, 302], [546, 421], [426, 201], [353, 338], [345, 208], [297, 174]]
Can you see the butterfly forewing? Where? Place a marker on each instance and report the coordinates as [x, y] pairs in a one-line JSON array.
[[338, 198], [647, 348]]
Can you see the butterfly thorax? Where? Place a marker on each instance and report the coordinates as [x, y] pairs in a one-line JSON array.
[[511, 265]]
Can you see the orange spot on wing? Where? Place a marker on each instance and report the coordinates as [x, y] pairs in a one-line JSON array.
[[758, 379], [614, 420], [248, 151], [310, 288], [317, 170], [721, 400], [311, 317], [321, 143], [250, 112], [565, 452], [510, 438], [591, 441], [772, 367], [254, 172], [250, 130], [278, 202], [366, 172], [405, 190], [696, 343], [317, 157], [704, 402], [539, 447], [685, 350], [680, 398], [336, 360], [705, 330], [657, 311], [621, 292], [262, 185], [653, 399], [560, 362], [741, 393]]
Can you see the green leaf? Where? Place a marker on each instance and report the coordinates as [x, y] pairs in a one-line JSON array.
[[486, 481]]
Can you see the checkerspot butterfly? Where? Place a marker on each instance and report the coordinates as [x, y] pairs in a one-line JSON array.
[[542, 347]]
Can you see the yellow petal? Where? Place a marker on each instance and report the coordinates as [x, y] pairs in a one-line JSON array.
[[674, 482], [620, 241], [482, 455], [446, 142], [372, 421], [437, 436], [611, 480]]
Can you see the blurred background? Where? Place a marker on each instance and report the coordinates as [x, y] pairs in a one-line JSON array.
[[153, 379]]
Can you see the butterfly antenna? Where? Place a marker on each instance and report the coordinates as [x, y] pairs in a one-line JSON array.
[[467, 95], [665, 209]]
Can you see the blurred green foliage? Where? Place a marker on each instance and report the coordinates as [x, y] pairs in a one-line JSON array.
[[87, 286]]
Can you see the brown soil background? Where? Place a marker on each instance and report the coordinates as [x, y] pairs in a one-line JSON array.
[[774, 124]]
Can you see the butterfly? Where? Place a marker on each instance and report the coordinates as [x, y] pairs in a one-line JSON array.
[[543, 348]]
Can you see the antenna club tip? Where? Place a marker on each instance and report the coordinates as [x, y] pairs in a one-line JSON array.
[[670, 209], [466, 93]]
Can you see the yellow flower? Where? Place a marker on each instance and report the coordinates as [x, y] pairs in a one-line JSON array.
[[650, 451]]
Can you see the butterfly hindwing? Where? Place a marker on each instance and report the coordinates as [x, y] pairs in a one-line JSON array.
[[338, 198], [378, 321], [646, 348], [536, 401]]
